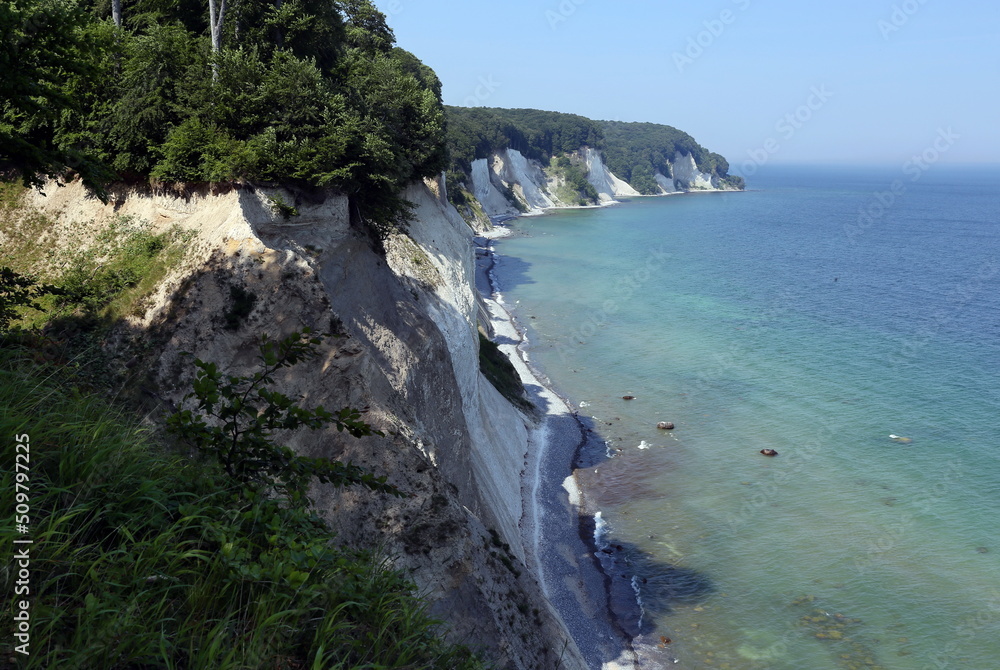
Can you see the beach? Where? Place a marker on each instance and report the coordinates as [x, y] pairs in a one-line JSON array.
[[579, 573]]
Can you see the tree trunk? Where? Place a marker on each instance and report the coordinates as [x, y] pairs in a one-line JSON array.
[[216, 20], [116, 12]]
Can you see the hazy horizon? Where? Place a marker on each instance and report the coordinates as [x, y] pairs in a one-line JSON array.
[[859, 82]]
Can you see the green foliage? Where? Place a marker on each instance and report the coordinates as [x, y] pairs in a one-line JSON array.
[[455, 184], [121, 258], [235, 418], [16, 293], [501, 372], [281, 207], [144, 560], [185, 151], [305, 91], [511, 197], [643, 178], [42, 44], [576, 180], [477, 132]]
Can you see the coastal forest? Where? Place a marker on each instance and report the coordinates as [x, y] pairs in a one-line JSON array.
[[311, 92], [637, 151]]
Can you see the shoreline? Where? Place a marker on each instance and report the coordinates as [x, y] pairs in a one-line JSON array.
[[542, 211], [566, 561]]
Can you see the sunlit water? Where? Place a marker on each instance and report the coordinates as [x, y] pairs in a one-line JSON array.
[[779, 318]]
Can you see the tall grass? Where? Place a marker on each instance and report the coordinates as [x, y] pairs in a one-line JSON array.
[[144, 560]]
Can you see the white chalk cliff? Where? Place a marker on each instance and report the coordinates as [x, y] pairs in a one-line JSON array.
[[408, 352], [508, 184], [687, 175], [601, 178], [666, 183]]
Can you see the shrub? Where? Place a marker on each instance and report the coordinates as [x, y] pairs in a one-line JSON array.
[[501, 372], [235, 419], [145, 560]]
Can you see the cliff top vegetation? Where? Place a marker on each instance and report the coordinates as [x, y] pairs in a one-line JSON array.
[[313, 92], [633, 151]]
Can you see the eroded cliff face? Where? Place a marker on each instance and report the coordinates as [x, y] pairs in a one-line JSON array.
[[608, 186], [507, 184], [688, 176], [407, 351]]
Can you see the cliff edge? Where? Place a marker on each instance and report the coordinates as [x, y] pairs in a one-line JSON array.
[[406, 349]]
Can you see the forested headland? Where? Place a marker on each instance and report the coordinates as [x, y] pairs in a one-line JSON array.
[[634, 152]]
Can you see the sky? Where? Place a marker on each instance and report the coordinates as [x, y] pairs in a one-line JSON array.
[[759, 81]]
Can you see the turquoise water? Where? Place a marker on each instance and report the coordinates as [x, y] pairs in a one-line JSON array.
[[783, 318]]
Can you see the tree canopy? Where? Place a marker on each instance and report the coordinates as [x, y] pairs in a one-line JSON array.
[[294, 91], [476, 132], [637, 151]]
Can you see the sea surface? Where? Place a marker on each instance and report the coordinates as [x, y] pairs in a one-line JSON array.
[[817, 314]]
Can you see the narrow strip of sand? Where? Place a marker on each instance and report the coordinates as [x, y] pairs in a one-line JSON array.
[[552, 529]]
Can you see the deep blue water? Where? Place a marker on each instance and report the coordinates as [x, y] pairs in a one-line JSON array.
[[816, 314]]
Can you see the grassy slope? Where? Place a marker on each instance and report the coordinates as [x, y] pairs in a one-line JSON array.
[[145, 560], [142, 559]]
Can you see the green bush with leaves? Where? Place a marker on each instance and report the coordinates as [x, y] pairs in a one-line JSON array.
[[143, 559], [124, 255], [18, 292], [43, 46], [308, 92], [500, 372], [235, 418]]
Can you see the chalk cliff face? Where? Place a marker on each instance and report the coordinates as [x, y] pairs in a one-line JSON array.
[[507, 184], [408, 351], [666, 183], [601, 178], [687, 175]]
